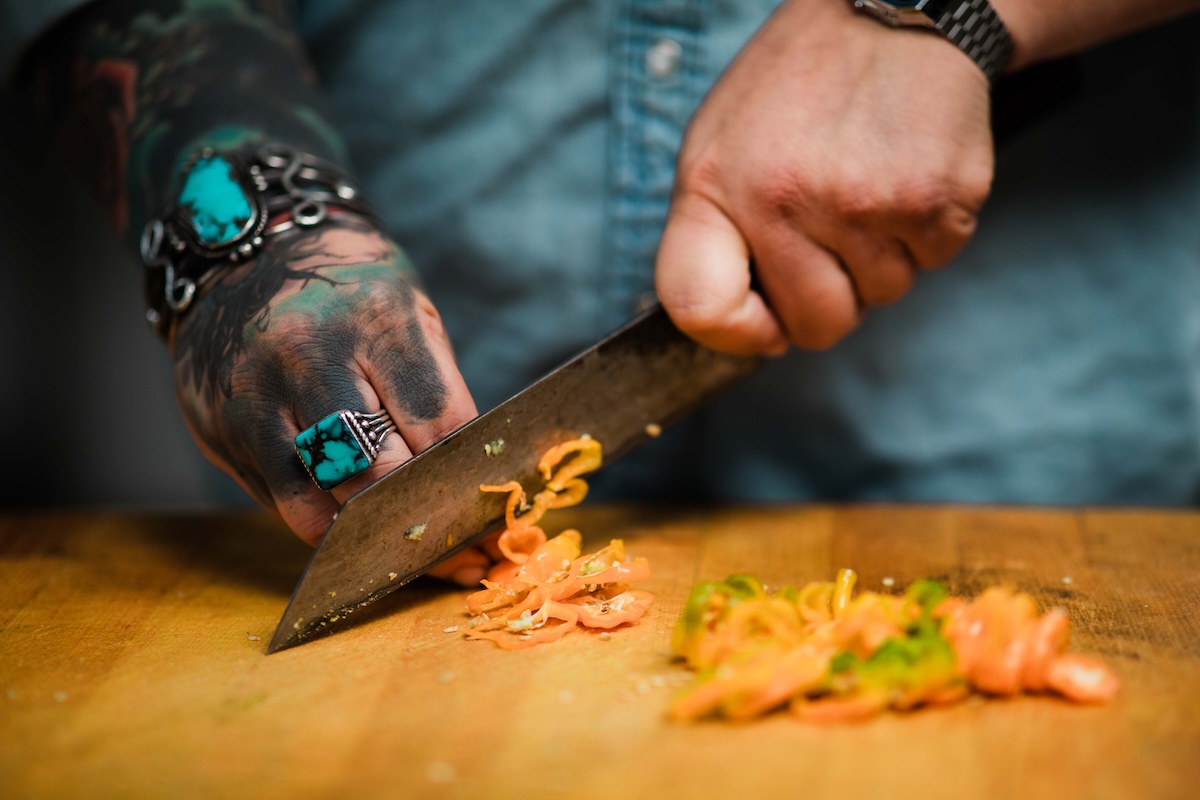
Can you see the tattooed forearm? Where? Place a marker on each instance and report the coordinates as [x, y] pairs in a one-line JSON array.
[[132, 87], [323, 318]]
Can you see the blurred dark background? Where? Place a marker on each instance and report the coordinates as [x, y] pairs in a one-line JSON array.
[[85, 394]]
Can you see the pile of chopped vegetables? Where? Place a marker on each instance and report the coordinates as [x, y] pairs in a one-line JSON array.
[[543, 589], [830, 656]]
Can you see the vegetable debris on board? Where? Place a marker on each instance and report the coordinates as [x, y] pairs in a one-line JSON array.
[[829, 656], [545, 588]]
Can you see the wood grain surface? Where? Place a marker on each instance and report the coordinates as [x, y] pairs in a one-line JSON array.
[[132, 665]]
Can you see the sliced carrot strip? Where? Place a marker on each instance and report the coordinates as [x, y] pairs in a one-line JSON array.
[[517, 544], [494, 596], [516, 499], [551, 558], [611, 612], [587, 458], [853, 708], [843, 587], [1082, 679], [504, 571], [1047, 640], [797, 671], [507, 641], [837, 657], [544, 588], [572, 493]]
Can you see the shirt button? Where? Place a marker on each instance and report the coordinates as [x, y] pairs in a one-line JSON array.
[[662, 58]]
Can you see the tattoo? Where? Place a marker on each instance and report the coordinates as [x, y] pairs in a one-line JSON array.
[[131, 88], [214, 338], [248, 360]]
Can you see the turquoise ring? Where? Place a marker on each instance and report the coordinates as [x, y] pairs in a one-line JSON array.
[[342, 445]]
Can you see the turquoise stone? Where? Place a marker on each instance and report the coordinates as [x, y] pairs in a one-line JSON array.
[[215, 203], [330, 452]]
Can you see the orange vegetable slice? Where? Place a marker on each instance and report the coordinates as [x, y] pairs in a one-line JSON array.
[[544, 588], [831, 656]]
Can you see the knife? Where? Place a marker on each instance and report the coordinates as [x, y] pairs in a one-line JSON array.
[[621, 391]]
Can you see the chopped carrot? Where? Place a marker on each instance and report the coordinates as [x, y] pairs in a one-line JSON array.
[[587, 452], [851, 708], [516, 499], [834, 657], [503, 571], [1082, 679], [544, 588], [517, 544]]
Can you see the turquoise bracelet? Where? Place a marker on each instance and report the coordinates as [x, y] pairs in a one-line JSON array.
[[229, 203]]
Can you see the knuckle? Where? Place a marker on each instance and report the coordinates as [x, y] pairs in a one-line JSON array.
[[925, 200], [951, 194], [975, 183], [946, 213], [387, 309], [429, 318], [697, 174], [857, 201], [785, 195]]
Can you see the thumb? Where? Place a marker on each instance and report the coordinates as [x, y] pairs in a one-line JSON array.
[[703, 279]]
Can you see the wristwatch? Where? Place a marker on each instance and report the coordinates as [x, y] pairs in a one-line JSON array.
[[972, 25]]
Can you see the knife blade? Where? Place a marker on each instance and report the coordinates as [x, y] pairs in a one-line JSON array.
[[644, 375]]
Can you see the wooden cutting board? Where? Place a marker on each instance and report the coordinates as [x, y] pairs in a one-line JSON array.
[[131, 665]]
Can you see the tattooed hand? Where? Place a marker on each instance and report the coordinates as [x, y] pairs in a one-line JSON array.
[[324, 319]]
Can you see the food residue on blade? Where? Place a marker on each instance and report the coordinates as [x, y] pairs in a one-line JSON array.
[[829, 656], [544, 588], [415, 532]]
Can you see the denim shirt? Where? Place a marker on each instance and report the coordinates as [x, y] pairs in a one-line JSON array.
[[523, 155]]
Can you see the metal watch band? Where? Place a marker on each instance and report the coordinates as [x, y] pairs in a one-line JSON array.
[[970, 25], [974, 26], [245, 196]]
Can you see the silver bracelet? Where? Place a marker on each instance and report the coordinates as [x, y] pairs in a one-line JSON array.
[[228, 205]]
